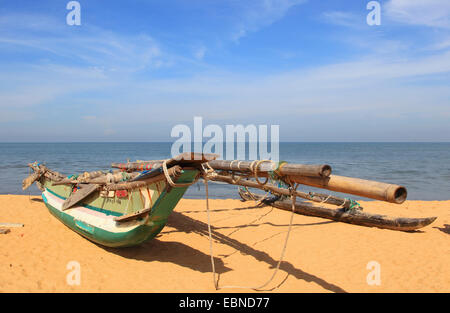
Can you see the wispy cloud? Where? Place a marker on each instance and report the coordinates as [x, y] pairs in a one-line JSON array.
[[200, 52], [257, 14], [432, 13], [362, 89], [88, 45], [114, 84], [343, 18]]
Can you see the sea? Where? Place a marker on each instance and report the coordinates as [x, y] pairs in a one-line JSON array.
[[423, 168]]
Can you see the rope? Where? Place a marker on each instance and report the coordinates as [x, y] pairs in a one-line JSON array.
[[170, 181], [216, 283], [257, 202], [256, 288], [326, 199], [354, 205], [231, 164], [29, 190], [208, 173], [250, 194], [254, 168], [278, 169]]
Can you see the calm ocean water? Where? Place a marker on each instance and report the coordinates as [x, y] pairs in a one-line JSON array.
[[424, 168]]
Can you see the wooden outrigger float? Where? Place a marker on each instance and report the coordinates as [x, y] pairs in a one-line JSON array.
[[130, 204]]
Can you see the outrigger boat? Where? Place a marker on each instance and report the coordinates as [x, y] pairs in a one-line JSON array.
[[130, 204]]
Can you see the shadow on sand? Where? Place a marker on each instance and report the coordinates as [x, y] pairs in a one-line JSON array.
[[445, 229], [186, 256], [173, 252], [37, 200], [186, 224]]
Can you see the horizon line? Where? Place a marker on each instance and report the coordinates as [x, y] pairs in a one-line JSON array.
[[41, 142]]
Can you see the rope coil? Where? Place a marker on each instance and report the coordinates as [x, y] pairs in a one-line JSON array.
[[171, 182], [254, 168]]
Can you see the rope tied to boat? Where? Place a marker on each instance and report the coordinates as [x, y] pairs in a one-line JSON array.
[[207, 173], [292, 190], [171, 182], [353, 206], [278, 169], [254, 168]]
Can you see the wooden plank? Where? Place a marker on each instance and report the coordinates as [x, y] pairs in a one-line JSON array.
[[11, 225], [184, 159], [132, 216], [351, 217], [85, 191]]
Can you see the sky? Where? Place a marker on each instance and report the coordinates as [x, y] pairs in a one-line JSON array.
[[134, 69]]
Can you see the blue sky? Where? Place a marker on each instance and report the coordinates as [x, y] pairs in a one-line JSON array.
[[132, 70]]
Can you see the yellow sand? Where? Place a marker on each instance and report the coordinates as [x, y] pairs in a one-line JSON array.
[[322, 256]]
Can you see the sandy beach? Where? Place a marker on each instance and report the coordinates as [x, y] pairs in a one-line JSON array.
[[322, 255]]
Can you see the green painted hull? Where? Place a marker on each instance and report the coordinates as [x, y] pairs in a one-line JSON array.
[[96, 222], [134, 237]]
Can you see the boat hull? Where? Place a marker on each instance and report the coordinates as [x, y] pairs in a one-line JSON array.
[[99, 226]]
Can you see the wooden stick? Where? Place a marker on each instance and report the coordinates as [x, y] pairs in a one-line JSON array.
[[174, 172], [132, 216], [185, 159], [99, 179], [282, 191], [27, 182], [352, 217], [11, 225]]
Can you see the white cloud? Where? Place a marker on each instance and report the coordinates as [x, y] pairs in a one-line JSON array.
[[368, 85], [433, 13], [200, 52], [88, 45], [347, 19], [254, 15], [442, 45], [360, 91], [98, 88]]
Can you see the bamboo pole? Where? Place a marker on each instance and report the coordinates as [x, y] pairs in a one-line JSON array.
[[356, 186], [262, 167]]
